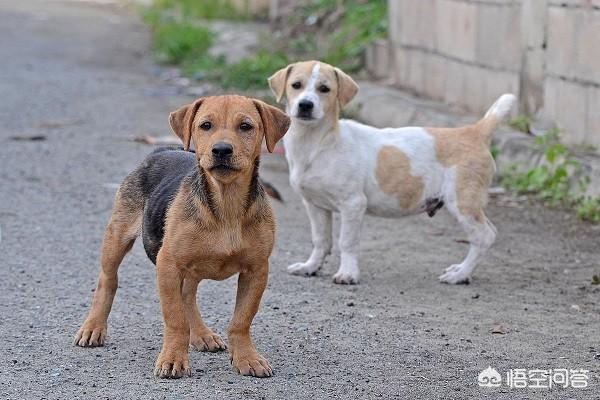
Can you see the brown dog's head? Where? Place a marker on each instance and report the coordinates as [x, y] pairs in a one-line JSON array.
[[227, 132], [313, 89]]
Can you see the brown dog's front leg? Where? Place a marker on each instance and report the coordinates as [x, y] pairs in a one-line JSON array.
[[173, 360], [202, 338], [243, 354]]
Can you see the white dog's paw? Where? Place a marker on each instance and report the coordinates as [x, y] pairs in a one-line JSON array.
[[456, 274], [303, 269], [346, 278]]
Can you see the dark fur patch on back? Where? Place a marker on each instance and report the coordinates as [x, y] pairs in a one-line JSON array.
[[256, 189]]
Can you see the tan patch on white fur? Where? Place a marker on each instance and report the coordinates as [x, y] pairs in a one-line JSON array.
[[467, 149], [395, 179]]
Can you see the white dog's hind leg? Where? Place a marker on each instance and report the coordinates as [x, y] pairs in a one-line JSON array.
[[352, 215], [481, 234], [320, 227]]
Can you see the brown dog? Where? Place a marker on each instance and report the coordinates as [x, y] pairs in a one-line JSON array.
[[202, 216]]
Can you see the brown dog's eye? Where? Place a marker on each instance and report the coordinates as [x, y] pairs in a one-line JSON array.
[[205, 126], [244, 126], [324, 89], [296, 85]]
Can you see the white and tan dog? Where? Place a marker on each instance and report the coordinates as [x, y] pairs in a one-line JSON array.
[[347, 167]]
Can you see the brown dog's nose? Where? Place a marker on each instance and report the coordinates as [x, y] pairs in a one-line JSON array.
[[222, 149]]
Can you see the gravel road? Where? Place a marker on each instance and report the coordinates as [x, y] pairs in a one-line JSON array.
[[79, 74]]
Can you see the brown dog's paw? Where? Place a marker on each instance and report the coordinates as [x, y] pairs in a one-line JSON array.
[[172, 365], [207, 341], [91, 334], [252, 365]]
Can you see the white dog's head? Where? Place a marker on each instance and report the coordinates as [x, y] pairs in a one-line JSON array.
[[313, 89]]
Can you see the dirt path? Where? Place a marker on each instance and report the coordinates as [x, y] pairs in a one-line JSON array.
[[79, 74]]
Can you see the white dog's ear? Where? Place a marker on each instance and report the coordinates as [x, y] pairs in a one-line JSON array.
[[278, 80], [181, 121], [274, 121], [347, 88]]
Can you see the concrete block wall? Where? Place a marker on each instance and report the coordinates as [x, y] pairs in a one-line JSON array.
[[572, 78], [468, 52], [459, 52]]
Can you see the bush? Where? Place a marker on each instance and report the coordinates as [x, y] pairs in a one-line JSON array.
[[175, 42]]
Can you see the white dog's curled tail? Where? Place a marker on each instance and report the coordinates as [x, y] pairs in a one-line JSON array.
[[495, 115]]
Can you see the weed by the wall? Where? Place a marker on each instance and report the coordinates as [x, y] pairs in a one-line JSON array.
[[354, 25], [551, 182], [520, 123], [588, 209]]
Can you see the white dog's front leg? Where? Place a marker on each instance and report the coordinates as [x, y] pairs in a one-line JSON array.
[[320, 228], [352, 215]]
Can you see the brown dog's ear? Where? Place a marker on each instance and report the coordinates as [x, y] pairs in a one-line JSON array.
[[275, 123], [278, 80], [181, 121], [347, 88]]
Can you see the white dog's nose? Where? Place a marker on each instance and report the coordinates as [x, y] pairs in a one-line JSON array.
[[306, 105]]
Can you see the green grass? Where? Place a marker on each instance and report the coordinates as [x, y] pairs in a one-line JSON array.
[[359, 24], [520, 123], [252, 72], [249, 73], [588, 209], [362, 24], [201, 9], [180, 40], [552, 181], [176, 42]]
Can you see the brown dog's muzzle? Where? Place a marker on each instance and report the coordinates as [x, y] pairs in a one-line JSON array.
[[222, 150], [222, 155]]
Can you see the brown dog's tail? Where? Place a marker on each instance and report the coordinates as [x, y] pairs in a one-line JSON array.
[[495, 115], [271, 191]]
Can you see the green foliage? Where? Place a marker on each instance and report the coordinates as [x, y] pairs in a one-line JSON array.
[[588, 209], [252, 72], [551, 182], [596, 280], [248, 73], [200, 9], [495, 151], [360, 23], [176, 42], [520, 123]]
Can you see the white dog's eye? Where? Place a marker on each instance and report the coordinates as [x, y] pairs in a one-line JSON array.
[[205, 126], [324, 89], [296, 85]]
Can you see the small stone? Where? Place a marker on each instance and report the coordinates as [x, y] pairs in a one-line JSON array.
[[499, 329]]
